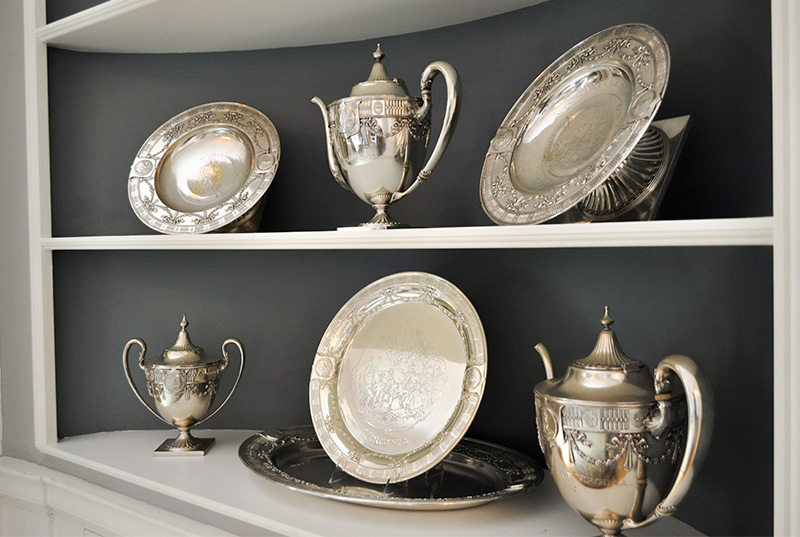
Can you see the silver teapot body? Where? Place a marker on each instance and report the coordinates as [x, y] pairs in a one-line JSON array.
[[376, 142], [622, 445]]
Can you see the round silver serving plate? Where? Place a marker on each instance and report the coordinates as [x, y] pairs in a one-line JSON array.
[[575, 125], [398, 377], [205, 170], [472, 473]]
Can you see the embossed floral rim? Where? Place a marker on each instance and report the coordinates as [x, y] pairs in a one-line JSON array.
[[337, 440], [644, 52], [235, 210], [505, 471]]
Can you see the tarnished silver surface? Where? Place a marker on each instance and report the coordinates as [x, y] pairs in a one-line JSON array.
[[183, 383], [398, 377], [205, 170], [472, 473], [574, 125], [621, 447], [377, 137]]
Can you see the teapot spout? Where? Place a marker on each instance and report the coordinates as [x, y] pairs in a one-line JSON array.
[[548, 364], [333, 164]]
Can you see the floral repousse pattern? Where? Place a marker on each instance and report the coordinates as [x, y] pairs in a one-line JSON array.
[[142, 191], [646, 57]]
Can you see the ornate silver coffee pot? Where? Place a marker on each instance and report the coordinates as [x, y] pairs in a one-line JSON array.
[[621, 445], [183, 382], [377, 136]]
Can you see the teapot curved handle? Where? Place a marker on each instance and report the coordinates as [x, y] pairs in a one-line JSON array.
[[225, 362], [700, 415], [453, 84], [137, 341]]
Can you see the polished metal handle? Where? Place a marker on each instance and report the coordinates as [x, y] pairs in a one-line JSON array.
[[225, 362], [700, 415], [137, 341], [453, 84]]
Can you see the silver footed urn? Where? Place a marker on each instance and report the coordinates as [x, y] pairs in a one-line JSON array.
[[183, 383], [622, 445], [377, 137]]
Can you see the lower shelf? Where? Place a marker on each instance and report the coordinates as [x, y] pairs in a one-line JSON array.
[[220, 483]]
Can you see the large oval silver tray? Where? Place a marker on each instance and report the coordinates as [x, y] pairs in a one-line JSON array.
[[473, 473], [398, 377], [205, 170], [574, 125]]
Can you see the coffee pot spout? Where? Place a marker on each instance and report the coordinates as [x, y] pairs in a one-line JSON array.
[[333, 164], [548, 364]]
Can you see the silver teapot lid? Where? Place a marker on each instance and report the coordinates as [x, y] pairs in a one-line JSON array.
[[379, 82], [606, 375], [183, 352]]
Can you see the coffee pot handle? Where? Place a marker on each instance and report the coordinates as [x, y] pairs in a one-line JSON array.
[[453, 84], [137, 341], [225, 362], [700, 415]]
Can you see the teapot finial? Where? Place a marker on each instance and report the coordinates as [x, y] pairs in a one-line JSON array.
[[606, 321], [378, 54], [184, 323]]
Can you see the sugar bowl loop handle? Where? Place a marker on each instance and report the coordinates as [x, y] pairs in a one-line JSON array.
[[453, 84], [700, 416], [141, 343], [225, 362]]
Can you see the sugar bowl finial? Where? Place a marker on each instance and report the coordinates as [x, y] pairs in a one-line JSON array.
[[183, 383]]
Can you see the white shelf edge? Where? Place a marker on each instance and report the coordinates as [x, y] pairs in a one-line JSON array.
[[88, 17], [169, 26], [718, 232], [242, 495], [177, 493]]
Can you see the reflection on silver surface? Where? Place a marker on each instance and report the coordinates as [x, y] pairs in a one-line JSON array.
[[472, 473], [207, 169], [574, 125], [398, 377], [377, 137], [183, 383], [622, 445]]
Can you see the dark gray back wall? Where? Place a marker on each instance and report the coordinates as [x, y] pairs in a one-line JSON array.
[[104, 106], [713, 304]]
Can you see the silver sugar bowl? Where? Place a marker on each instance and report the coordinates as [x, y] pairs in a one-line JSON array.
[[377, 137], [183, 383], [622, 446]]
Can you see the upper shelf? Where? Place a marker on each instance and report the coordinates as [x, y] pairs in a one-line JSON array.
[[162, 26], [718, 232]]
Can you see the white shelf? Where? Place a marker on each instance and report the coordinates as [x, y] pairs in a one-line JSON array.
[[220, 483], [147, 26], [722, 232]]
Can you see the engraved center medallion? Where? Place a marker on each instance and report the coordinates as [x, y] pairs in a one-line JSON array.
[[394, 390]]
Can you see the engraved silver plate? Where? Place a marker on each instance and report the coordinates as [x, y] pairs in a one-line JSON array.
[[205, 170], [398, 377], [574, 125], [473, 473]]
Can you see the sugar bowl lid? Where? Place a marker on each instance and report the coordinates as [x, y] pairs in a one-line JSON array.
[[606, 375], [379, 82], [183, 352]]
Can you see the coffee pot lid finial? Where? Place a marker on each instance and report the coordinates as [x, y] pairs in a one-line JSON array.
[[379, 82]]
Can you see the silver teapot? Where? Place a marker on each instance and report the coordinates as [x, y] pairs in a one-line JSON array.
[[621, 445], [377, 137], [183, 383]]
